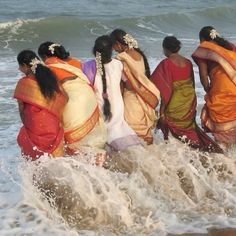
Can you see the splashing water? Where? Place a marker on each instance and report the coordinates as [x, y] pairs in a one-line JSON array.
[[165, 187]]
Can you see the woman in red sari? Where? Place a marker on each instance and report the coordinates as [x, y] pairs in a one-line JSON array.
[[41, 103], [174, 78], [216, 59]]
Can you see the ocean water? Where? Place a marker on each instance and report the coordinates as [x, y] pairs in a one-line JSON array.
[[167, 188]]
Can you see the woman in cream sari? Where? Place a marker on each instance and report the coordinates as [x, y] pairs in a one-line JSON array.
[[139, 93], [82, 121], [216, 60]]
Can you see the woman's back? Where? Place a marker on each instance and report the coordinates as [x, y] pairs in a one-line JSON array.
[[117, 127], [180, 69], [113, 71]]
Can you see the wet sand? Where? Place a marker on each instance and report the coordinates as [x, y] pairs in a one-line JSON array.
[[211, 232]]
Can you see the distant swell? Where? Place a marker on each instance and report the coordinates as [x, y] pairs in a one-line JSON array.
[[76, 23], [79, 31]]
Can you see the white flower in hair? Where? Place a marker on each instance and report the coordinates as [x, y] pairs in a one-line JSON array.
[[214, 34], [130, 41], [34, 63], [99, 63], [52, 47]]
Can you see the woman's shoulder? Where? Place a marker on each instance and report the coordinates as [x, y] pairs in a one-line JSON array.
[[74, 62], [116, 62], [52, 60], [121, 56], [27, 77]]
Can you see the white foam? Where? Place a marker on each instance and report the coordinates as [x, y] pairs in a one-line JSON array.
[[165, 188], [16, 24]]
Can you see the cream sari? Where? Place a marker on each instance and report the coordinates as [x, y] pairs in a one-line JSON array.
[[140, 101], [82, 122]]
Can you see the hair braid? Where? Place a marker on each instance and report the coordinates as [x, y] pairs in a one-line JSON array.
[[107, 105], [44, 76], [146, 64]]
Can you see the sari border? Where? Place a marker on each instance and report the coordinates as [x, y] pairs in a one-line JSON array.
[[212, 52], [82, 130], [23, 93], [155, 99], [216, 127]]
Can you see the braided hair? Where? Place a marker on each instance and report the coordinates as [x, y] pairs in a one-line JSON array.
[[50, 49], [44, 76], [103, 48], [205, 34], [117, 35]]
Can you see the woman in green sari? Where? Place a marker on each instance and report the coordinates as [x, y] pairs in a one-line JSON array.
[[174, 78]]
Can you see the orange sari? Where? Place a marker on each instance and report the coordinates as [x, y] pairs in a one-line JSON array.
[[219, 112], [140, 101], [74, 62], [41, 132]]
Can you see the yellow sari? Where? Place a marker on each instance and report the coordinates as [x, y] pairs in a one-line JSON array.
[[219, 112], [141, 101]]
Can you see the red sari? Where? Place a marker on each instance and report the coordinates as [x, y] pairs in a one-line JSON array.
[[176, 85], [41, 132]]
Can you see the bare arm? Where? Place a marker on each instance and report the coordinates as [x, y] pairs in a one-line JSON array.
[[21, 109], [162, 109], [193, 77], [203, 73]]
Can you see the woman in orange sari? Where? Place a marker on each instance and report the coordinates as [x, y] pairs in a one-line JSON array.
[[82, 122], [139, 93], [41, 103], [216, 60], [174, 78]]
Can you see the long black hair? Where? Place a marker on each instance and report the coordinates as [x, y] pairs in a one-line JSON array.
[[171, 43], [205, 34], [44, 76], [103, 45], [117, 35], [57, 50]]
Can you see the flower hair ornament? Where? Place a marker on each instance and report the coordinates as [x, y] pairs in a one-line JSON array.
[[214, 34], [52, 47], [130, 41], [34, 63], [99, 63]]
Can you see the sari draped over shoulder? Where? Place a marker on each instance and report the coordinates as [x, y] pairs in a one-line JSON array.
[[42, 131], [176, 86], [219, 112], [81, 118], [141, 100], [74, 62]]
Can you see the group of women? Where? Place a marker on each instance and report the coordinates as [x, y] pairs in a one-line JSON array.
[[110, 104]]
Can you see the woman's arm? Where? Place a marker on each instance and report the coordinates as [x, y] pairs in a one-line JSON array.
[[162, 110], [21, 110], [203, 73], [193, 78]]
